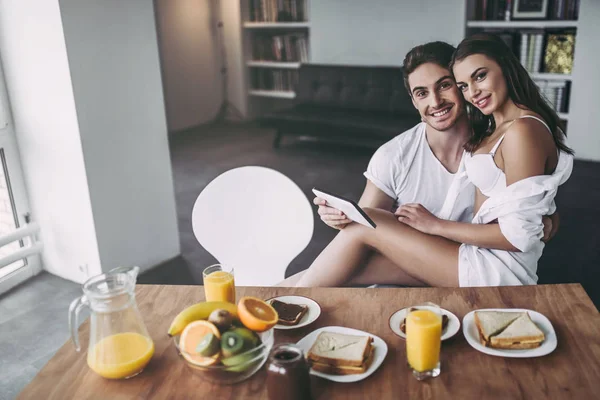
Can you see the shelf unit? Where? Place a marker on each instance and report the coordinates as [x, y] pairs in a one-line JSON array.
[[273, 64], [517, 26], [275, 25], [522, 24], [280, 94], [258, 72], [550, 77]]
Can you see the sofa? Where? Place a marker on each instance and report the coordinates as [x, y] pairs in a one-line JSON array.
[[346, 103]]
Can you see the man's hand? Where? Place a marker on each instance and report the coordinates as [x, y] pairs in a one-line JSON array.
[[331, 216], [418, 217], [551, 223]]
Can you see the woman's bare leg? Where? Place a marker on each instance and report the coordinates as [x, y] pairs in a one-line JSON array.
[[291, 281], [381, 270], [378, 270], [426, 258]]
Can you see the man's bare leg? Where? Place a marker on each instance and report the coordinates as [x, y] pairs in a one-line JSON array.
[[429, 259]]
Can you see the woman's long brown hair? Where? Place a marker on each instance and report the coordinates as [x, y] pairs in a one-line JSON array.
[[521, 90]]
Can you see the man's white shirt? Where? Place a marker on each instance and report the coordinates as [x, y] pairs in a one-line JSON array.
[[406, 169]]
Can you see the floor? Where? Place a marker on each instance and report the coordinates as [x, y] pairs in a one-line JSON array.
[[33, 317]]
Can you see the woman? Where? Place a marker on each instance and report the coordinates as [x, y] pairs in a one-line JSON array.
[[516, 158]]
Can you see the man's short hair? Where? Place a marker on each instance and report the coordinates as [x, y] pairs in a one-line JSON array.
[[439, 53]]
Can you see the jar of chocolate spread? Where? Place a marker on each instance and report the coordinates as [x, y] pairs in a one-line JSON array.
[[287, 374]]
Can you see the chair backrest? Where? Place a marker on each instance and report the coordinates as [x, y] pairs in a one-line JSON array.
[[255, 220]]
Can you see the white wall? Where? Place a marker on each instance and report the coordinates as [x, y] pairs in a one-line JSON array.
[[190, 61], [34, 57], [583, 124], [114, 62], [84, 83], [380, 32]]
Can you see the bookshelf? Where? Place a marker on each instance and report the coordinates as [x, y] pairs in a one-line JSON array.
[[549, 76], [521, 24], [275, 25], [281, 94], [275, 37], [273, 64], [533, 42]]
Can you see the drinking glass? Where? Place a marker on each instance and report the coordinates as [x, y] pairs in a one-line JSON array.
[[424, 340], [219, 283]]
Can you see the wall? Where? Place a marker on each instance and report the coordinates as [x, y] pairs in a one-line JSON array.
[[115, 70], [380, 32], [189, 57], [583, 109], [84, 83], [43, 108]]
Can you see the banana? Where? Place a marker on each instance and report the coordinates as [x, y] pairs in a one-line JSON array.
[[199, 311]]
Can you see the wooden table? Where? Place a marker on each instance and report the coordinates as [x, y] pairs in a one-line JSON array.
[[571, 371]]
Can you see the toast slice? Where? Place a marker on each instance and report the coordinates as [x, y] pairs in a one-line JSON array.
[[490, 323], [345, 370], [289, 314], [522, 333], [340, 350]]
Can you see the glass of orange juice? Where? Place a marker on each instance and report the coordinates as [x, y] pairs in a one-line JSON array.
[[424, 341], [219, 284]]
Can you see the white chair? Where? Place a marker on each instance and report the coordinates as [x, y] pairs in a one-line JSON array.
[[255, 220]]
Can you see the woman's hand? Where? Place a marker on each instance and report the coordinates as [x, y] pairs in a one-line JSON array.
[[418, 217], [331, 216]]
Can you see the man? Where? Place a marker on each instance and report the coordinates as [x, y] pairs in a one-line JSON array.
[[419, 165]]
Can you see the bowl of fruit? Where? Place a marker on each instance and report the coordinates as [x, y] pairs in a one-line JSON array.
[[225, 343]]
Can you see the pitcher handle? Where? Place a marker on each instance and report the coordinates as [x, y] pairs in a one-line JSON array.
[[74, 310]]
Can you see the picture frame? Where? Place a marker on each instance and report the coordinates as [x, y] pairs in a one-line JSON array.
[[530, 9]]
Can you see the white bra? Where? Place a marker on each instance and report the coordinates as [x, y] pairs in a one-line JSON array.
[[483, 171]]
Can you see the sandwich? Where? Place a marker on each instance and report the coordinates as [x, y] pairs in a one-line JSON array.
[[340, 354], [521, 334], [289, 314], [490, 323], [508, 330]]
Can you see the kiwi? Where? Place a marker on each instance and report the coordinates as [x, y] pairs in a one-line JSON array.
[[222, 319], [250, 338], [232, 343], [239, 363], [209, 345]]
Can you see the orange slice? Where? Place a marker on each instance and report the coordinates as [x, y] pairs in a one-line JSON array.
[[191, 336], [256, 314]]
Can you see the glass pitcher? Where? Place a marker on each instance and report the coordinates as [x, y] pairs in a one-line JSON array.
[[119, 345]]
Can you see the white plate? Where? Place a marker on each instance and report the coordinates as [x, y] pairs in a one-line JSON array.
[[311, 315], [451, 329], [547, 347], [379, 347]]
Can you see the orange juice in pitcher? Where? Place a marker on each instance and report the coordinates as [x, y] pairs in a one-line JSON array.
[[119, 344]]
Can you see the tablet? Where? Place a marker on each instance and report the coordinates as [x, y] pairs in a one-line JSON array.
[[348, 207]]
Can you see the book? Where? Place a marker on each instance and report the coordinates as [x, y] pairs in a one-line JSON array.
[[530, 50], [559, 54], [523, 49], [537, 52]]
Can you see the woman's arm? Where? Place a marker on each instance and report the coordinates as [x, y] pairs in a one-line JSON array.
[[488, 236], [524, 153], [482, 235]]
